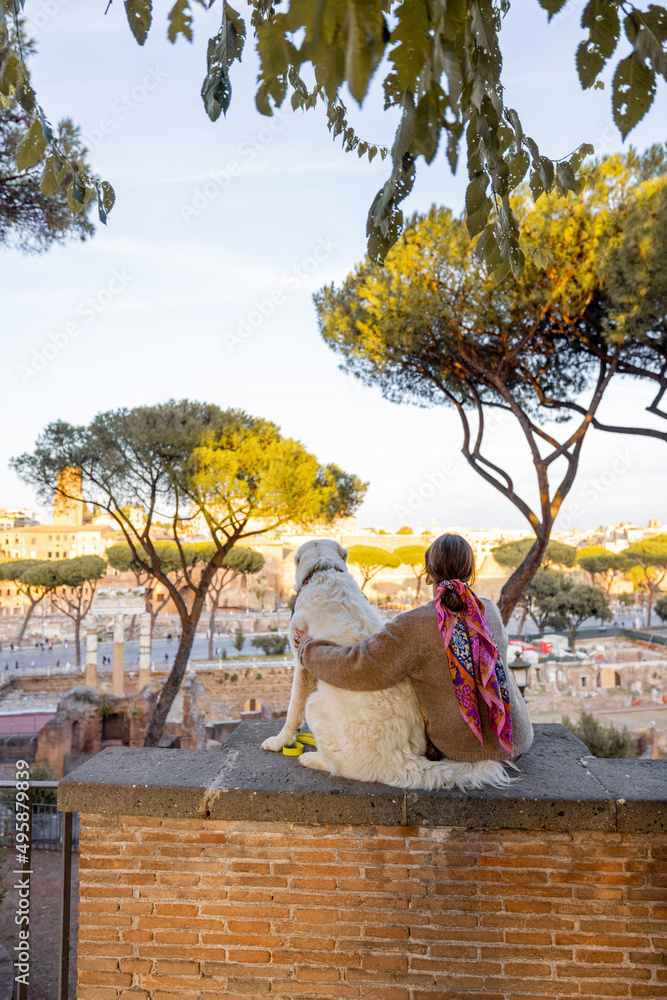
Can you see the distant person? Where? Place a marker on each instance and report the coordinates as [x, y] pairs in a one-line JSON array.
[[166, 657], [168, 636], [16, 665], [57, 663]]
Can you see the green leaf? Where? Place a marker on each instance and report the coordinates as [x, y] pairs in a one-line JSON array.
[[536, 185], [647, 32], [32, 147], [139, 17], [476, 192], [604, 28], [180, 21], [486, 247], [478, 205], [501, 271], [49, 182], [633, 90], [565, 175], [223, 49], [75, 206], [47, 131], [108, 195], [545, 169], [552, 6], [518, 165], [365, 43], [515, 122], [106, 198]]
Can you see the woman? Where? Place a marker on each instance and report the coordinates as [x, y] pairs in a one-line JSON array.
[[454, 650]]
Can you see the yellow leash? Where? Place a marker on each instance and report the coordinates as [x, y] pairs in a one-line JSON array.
[[297, 747]]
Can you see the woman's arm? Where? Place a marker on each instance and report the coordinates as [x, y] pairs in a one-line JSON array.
[[378, 662]]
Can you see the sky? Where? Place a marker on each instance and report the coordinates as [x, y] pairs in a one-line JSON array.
[[201, 284]]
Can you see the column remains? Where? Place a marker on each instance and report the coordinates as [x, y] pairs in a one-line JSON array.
[[118, 674]]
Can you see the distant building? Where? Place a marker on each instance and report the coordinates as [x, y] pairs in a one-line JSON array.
[[10, 519]]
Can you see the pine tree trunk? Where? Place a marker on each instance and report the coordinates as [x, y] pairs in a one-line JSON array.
[[24, 623], [211, 628], [522, 622], [573, 637], [522, 576], [173, 682], [77, 642]]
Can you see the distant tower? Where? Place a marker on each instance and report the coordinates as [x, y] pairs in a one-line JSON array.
[[68, 504]]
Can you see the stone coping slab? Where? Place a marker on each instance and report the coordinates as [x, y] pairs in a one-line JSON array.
[[559, 786]]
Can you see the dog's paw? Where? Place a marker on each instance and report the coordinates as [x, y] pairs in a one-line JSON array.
[[275, 743], [315, 761]]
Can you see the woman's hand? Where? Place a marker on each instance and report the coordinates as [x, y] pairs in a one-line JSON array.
[[299, 636]]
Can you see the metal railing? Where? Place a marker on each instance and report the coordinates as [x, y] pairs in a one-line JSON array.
[[41, 830]]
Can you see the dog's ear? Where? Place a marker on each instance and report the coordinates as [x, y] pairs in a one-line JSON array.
[[297, 558], [343, 552]]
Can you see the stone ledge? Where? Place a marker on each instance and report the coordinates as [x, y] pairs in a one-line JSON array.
[[559, 787]]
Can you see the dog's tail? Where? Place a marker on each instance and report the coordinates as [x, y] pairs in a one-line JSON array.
[[424, 773]]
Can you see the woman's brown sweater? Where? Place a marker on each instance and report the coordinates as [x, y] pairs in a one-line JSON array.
[[412, 646]]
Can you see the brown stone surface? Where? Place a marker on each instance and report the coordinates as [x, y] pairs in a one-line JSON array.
[[44, 923]]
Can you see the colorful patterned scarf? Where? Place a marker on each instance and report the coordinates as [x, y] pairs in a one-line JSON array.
[[474, 663]]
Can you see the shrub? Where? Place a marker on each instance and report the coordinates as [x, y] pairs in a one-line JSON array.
[[602, 738], [43, 772], [272, 645], [239, 638]]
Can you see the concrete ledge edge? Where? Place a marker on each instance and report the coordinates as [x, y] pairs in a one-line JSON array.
[[560, 787]]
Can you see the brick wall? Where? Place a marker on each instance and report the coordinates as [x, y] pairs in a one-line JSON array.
[[190, 909], [225, 698]]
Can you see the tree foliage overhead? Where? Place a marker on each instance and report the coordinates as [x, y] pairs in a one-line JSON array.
[[431, 326], [442, 66], [32, 217], [65, 190], [198, 469]]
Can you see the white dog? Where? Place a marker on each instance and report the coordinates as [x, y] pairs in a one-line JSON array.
[[366, 735]]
